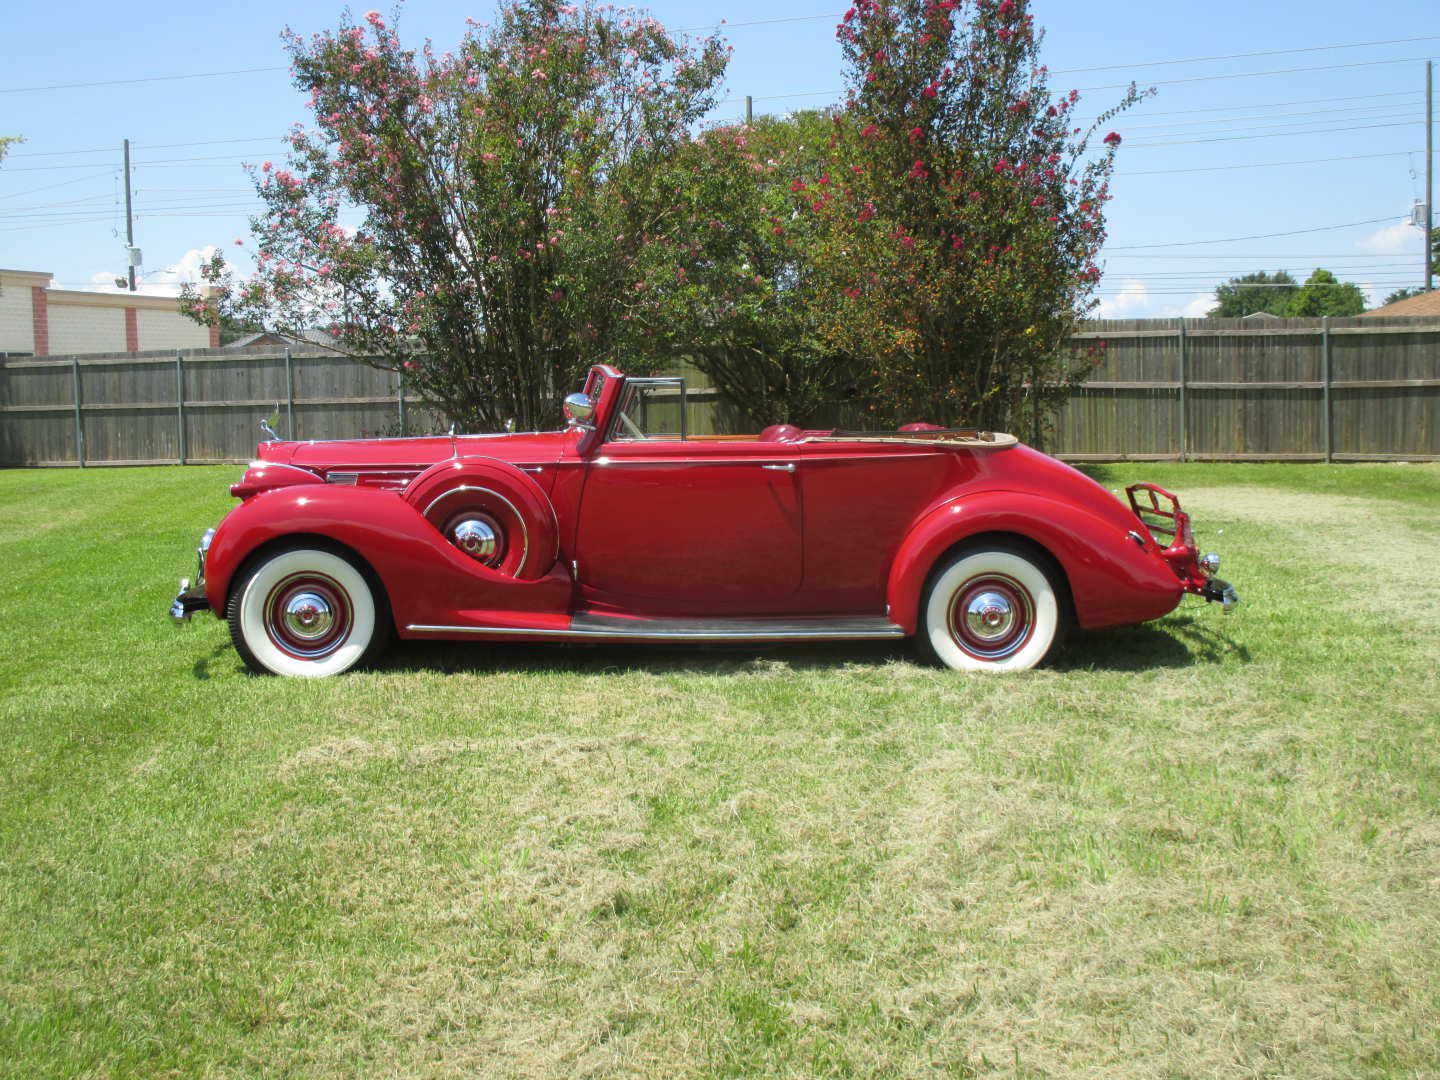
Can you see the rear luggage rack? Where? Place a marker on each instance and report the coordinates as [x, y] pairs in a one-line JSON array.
[[1169, 526], [1167, 520]]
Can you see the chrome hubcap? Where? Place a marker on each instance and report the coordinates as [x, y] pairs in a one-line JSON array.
[[308, 616], [476, 538], [989, 616]]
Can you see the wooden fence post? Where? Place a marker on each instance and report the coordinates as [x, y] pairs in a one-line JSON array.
[[290, 397], [401, 386], [180, 404], [1326, 420], [1184, 404], [79, 421]]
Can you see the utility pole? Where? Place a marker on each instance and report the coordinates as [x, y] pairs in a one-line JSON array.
[[1429, 171], [129, 220], [749, 110]]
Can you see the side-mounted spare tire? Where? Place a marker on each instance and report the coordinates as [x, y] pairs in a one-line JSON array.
[[493, 512]]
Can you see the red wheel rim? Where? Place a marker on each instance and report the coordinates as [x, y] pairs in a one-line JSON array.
[[991, 617], [308, 615]]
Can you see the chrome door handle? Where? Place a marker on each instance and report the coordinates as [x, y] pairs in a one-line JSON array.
[[788, 467]]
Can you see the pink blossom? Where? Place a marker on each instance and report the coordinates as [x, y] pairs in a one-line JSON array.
[[265, 166], [238, 241], [1113, 139], [373, 18], [537, 74]]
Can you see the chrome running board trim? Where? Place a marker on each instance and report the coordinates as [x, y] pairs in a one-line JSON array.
[[609, 628]]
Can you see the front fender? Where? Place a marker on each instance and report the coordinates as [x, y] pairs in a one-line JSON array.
[[1113, 581], [426, 578]]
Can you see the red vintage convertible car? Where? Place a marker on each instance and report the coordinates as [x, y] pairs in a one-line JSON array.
[[625, 527]]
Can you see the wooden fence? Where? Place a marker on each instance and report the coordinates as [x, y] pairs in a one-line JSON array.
[[1216, 389], [1350, 389], [194, 407]]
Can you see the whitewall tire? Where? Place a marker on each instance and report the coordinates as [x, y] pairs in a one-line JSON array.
[[991, 609], [306, 612]]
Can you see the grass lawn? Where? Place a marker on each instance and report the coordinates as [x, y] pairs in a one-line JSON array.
[[1205, 847]]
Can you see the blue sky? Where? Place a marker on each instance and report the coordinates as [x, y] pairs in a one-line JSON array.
[[1334, 91]]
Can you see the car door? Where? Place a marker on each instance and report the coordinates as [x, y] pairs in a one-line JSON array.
[[671, 525]]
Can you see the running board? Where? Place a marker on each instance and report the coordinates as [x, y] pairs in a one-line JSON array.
[[591, 627]]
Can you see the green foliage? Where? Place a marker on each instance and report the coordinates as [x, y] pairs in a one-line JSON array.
[[483, 174], [6, 141], [964, 209], [1403, 294], [1251, 293], [1323, 295], [743, 299]]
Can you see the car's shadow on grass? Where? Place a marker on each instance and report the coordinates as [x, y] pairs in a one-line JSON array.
[[1179, 641]]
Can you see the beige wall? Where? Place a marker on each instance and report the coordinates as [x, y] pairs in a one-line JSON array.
[[75, 329], [168, 329], [90, 322], [16, 332]]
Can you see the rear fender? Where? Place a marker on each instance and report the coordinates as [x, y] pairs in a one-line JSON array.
[[1113, 581], [426, 578]]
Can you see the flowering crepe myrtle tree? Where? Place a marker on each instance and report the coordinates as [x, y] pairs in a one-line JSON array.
[[964, 211], [482, 175]]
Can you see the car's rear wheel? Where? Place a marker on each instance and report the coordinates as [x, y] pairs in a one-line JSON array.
[[995, 608], [304, 611]]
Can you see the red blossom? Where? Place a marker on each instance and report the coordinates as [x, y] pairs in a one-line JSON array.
[[1113, 139]]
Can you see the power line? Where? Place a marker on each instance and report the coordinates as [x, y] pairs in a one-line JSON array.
[[131, 82], [1248, 55], [1258, 236], [1122, 171], [1271, 135], [1163, 82]]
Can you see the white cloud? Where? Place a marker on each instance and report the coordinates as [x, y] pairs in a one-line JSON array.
[[1200, 306], [163, 282], [1135, 301], [1401, 238], [1131, 302]]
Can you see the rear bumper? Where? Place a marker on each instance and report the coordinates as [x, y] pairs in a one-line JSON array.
[[192, 598], [1220, 592]]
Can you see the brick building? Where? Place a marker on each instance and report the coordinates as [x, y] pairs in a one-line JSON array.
[[37, 320]]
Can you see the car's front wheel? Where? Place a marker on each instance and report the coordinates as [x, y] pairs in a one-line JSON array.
[[304, 611], [997, 608]]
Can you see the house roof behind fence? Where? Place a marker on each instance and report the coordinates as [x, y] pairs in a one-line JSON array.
[[1427, 303]]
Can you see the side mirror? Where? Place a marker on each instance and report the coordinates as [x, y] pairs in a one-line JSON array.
[[578, 409]]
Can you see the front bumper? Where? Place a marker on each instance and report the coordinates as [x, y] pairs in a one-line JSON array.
[[192, 598]]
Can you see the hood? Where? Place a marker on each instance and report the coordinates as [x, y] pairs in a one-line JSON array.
[[349, 455]]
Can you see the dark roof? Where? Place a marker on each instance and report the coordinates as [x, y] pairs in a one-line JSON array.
[[270, 337]]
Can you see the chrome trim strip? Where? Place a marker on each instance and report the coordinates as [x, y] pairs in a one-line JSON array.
[[524, 532], [891, 631], [649, 463]]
